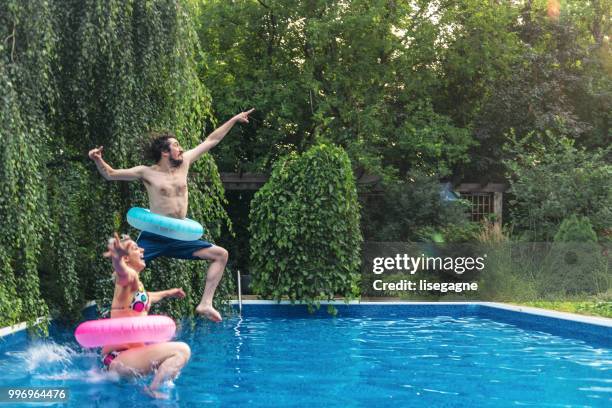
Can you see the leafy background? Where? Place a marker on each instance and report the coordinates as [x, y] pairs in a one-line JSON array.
[[413, 92]]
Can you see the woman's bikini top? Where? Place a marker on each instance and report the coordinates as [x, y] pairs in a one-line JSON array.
[[140, 302]]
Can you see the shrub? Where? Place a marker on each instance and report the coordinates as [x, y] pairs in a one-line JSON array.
[[304, 224], [576, 229], [575, 264]]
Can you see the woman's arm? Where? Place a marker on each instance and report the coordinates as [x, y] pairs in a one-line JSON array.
[[155, 297], [117, 251]]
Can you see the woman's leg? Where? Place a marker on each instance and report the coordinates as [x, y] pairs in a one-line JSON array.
[[167, 358]]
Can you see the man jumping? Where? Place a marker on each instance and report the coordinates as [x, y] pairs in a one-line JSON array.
[[166, 184]]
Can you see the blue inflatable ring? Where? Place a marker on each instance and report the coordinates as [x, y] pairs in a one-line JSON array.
[[145, 220]]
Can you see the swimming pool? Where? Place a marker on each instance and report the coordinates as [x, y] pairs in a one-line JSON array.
[[435, 355]]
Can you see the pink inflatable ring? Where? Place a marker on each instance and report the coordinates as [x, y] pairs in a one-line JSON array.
[[121, 330]]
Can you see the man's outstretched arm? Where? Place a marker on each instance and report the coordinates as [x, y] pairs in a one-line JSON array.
[[215, 137], [135, 173]]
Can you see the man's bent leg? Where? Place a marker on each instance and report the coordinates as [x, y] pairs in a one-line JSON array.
[[218, 257]]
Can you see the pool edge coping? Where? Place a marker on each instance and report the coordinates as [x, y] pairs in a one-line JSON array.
[[594, 320], [17, 327]]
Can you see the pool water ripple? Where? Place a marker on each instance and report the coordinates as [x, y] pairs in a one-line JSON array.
[[264, 361]]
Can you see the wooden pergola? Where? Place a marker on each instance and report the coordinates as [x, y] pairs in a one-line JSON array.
[[486, 199], [254, 181]]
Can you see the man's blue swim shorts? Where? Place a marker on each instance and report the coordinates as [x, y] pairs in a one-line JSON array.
[[156, 245]]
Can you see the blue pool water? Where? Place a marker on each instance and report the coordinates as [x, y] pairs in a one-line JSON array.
[[440, 357]]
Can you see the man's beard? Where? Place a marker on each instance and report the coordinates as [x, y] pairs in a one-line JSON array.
[[175, 162]]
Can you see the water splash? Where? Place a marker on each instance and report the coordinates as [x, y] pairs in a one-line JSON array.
[[41, 355], [91, 376]]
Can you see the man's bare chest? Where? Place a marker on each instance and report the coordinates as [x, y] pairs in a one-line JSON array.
[[167, 185]]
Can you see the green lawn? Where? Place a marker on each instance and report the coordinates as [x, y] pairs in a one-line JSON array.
[[590, 307]]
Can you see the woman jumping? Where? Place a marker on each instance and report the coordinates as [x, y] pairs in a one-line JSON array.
[[131, 299]]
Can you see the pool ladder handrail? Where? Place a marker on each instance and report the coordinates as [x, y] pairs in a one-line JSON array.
[[239, 293]]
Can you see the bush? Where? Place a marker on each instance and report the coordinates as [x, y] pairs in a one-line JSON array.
[[575, 264], [576, 229], [304, 224]]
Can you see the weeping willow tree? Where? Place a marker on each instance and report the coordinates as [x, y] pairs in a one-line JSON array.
[[26, 60], [81, 74]]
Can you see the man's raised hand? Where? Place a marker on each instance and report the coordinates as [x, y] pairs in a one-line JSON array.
[[96, 154], [243, 117]]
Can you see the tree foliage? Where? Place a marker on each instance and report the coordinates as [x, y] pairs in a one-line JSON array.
[[26, 58], [358, 74], [78, 75], [430, 87], [409, 89], [552, 179], [412, 210], [559, 80]]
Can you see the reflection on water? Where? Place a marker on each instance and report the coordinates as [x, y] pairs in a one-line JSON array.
[[437, 361]]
